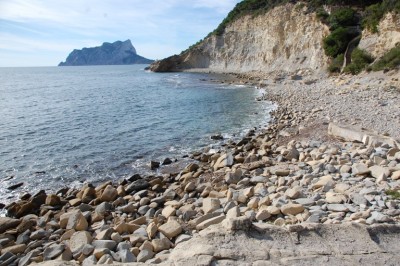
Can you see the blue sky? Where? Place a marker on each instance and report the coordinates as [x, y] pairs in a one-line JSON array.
[[44, 32]]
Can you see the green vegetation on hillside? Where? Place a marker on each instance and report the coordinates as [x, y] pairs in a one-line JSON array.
[[342, 17], [336, 42], [257, 7], [374, 13], [336, 64], [359, 61], [346, 21], [246, 7], [343, 23], [395, 194], [389, 61]]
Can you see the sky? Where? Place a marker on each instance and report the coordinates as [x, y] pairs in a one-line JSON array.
[[44, 32]]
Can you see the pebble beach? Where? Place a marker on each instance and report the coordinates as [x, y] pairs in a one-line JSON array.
[[291, 173]]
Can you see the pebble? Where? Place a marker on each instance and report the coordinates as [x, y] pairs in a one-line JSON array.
[[171, 229], [292, 209]]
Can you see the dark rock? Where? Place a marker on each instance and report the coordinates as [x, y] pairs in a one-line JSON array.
[[244, 141], [154, 165], [167, 161], [62, 191], [103, 208], [117, 53], [217, 137], [7, 258], [190, 168], [23, 208], [26, 260], [39, 198], [25, 196], [53, 251], [171, 64], [40, 172], [137, 185], [23, 238], [25, 225], [39, 234], [15, 186], [134, 178], [7, 223], [8, 178]]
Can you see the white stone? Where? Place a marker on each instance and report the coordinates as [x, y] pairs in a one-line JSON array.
[[210, 205]]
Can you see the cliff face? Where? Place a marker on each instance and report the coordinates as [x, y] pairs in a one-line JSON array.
[[387, 37], [117, 53], [283, 39]]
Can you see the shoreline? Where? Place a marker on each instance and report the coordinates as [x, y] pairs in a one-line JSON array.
[[32, 173], [291, 173]]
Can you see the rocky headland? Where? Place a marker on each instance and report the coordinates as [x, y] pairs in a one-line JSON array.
[[117, 53], [319, 185]]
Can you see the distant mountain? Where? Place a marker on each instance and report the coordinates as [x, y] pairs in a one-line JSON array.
[[117, 53]]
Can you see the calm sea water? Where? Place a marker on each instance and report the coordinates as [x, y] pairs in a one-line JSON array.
[[63, 125]]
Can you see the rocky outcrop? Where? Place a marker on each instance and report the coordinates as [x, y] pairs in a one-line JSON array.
[[387, 37], [264, 244], [286, 38], [117, 53]]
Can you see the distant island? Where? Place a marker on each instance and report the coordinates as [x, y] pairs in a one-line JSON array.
[[117, 53]]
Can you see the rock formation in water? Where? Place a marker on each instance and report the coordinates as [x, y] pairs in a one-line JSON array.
[[287, 38], [117, 53]]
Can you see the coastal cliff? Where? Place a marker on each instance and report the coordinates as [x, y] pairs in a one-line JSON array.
[[117, 53], [285, 38], [388, 36]]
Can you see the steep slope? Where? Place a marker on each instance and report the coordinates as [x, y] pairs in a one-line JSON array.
[[387, 36], [285, 38], [117, 53]]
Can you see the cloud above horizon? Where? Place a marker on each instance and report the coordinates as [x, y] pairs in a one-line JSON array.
[[44, 32]]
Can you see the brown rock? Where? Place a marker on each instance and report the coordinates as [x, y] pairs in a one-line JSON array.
[[396, 175], [160, 244], [109, 194], [123, 228], [171, 229], [16, 249], [88, 194], [7, 223], [77, 221], [53, 200], [168, 211], [210, 205], [75, 202], [292, 209], [151, 230]]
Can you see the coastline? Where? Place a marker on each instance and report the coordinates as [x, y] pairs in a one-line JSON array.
[[290, 173]]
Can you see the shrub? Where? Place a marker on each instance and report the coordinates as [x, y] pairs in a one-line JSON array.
[[342, 17], [359, 61], [374, 13], [336, 64], [336, 43], [254, 7], [389, 61], [395, 194]]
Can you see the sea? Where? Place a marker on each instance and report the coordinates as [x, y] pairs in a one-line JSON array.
[[63, 126]]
